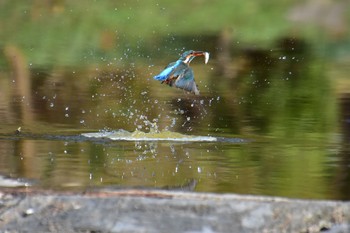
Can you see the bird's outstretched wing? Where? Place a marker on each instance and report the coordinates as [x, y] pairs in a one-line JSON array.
[[186, 81], [168, 71], [180, 75]]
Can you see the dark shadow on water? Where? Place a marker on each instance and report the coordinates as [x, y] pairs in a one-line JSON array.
[[342, 176]]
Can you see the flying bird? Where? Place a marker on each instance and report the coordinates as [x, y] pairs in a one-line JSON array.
[[180, 74]]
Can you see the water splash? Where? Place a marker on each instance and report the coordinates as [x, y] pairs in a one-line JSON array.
[[153, 135]]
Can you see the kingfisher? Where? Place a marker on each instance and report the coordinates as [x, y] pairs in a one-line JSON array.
[[180, 74]]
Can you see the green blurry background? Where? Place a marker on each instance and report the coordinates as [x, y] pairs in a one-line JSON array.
[[76, 33]]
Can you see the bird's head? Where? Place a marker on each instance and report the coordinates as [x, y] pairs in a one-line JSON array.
[[188, 56]]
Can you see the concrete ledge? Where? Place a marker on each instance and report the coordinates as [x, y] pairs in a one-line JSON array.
[[166, 211]]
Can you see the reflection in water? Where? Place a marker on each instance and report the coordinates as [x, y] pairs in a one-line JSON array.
[[191, 112], [280, 99], [342, 174]]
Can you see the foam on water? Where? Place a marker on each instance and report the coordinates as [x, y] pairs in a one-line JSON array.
[[164, 135]]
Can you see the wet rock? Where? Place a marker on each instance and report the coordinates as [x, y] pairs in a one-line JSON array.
[[167, 211]]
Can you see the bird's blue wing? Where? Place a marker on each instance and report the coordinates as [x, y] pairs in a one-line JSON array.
[[186, 81], [167, 72], [180, 75]]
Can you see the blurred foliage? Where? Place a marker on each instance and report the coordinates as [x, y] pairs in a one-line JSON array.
[[79, 32]]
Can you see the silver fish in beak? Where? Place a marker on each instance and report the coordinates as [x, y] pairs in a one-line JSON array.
[[206, 57]]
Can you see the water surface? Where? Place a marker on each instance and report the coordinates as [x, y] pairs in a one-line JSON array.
[[278, 128]]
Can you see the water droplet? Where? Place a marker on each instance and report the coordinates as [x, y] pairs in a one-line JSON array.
[[29, 211], [283, 58]]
